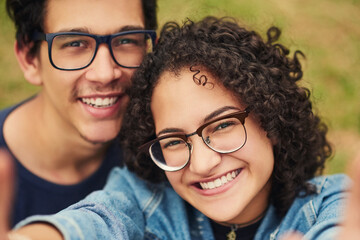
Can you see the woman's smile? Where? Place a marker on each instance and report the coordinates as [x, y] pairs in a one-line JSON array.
[[220, 181]]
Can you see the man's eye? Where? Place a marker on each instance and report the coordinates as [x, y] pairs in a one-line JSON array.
[[75, 44], [125, 41]]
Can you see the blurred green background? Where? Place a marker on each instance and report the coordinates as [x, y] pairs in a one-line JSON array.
[[327, 31]]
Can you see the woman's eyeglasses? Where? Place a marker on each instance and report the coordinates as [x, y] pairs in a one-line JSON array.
[[225, 134]]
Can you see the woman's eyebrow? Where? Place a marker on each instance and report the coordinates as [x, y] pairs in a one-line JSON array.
[[170, 130], [218, 112], [206, 119]]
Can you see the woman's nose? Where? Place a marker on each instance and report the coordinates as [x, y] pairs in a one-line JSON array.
[[203, 159]]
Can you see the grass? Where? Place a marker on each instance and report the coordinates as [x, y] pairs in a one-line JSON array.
[[327, 31]]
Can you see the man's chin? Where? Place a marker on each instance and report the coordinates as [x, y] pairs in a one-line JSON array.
[[98, 140]]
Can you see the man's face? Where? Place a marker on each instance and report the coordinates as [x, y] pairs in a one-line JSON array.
[[90, 102]]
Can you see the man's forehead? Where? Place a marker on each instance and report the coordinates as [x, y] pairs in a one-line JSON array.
[[93, 16]]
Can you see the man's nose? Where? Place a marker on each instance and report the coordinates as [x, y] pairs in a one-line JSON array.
[[103, 69], [203, 159]]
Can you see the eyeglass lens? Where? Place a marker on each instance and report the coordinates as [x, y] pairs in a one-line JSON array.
[[223, 136], [77, 51]]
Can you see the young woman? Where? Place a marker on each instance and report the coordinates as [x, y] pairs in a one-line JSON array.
[[216, 115], [232, 132]]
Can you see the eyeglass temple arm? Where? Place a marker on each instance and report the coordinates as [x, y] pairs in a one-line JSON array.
[[38, 36]]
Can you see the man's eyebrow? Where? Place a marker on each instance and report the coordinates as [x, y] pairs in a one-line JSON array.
[[82, 30], [131, 28], [87, 30]]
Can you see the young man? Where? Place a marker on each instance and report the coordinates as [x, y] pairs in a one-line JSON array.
[[63, 139]]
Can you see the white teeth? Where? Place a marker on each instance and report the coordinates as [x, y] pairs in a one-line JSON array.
[[100, 102], [220, 181], [106, 101], [224, 180], [229, 177]]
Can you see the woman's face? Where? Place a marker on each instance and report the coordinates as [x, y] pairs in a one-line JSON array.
[[178, 103]]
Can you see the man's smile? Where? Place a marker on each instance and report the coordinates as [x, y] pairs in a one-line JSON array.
[[100, 102]]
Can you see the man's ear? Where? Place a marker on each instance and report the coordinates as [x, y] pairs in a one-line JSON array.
[[30, 65]]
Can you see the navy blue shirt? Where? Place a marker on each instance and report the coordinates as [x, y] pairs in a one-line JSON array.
[[34, 195]]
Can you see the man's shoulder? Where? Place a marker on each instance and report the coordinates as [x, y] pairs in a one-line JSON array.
[[4, 114]]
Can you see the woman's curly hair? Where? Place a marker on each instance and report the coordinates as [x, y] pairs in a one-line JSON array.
[[260, 74]]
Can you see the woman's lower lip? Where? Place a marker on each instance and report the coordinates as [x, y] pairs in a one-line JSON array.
[[218, 190]]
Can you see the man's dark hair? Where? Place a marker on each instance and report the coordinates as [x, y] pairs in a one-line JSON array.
[[28, 16], [262, 76]]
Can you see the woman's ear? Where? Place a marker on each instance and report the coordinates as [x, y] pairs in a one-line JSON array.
[[30, 65]]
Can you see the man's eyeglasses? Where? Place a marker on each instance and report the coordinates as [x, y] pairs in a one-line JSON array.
[[225, 134], [76, 50]]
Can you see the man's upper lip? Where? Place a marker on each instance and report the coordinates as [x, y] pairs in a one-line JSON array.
[[212, 178], [102, 95]]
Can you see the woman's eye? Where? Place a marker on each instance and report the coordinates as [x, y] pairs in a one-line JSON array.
[[172, 143], [223, 125]]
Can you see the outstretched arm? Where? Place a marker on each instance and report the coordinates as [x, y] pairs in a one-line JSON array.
[[34, 231], [6, 192], [351, 226]]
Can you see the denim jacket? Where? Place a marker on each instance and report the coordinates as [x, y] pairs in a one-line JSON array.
[[131, 208]]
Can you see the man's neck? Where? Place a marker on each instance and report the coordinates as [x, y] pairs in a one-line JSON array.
[[54, 153]]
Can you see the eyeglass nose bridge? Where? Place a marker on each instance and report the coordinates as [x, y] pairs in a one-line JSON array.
[[199, 133], [101, 40]]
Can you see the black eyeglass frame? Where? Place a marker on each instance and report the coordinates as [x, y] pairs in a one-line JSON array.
[[49, 37], [145, 148]]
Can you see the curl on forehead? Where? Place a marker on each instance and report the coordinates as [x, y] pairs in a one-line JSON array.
[[201, 78], [200, 75]]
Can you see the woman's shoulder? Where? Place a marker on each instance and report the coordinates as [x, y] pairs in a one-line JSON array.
[[315, 214], [331, 183], [330, 192], [318, 214]]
